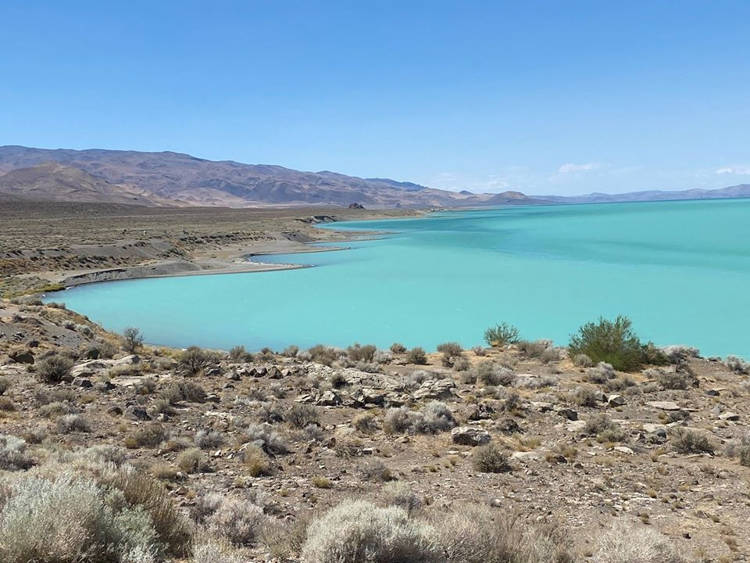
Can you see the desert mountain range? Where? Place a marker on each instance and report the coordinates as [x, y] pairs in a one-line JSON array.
[[176, 179]]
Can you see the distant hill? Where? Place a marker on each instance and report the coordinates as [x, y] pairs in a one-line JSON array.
[[56, 182], [161, 178], [739, 191]]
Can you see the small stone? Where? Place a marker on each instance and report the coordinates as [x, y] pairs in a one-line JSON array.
[[664, 405], [575, 425], [623, 450], [733, 416], [570, 414], [616, 400]]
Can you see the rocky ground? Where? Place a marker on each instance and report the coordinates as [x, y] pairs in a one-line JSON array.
[[297, 432], [47, 245]]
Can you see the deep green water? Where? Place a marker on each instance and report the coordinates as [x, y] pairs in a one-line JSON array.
[[680, 270]]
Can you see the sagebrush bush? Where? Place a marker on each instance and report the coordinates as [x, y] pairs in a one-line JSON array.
[[300, 415], [472, 533], [191, 461], [630, 543], [501, 335], [323, 355], [435, 417], [605, 429], [215, 550], [490, 459], [4, 384], [184, 390], [266, 438], [256, 461], [686, 441], [208, 439], [54, 368], [148, 436], [359, 531], [398, 348], [359, 353], [194, 360], [239, 354], [13, 454], [492, 374], [398, 493], [365, 423], [73, 423], [416, 356], [681, 379], [237, 520], [614, 342]]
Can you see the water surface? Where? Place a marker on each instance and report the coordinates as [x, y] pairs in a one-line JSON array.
[[680, 270]]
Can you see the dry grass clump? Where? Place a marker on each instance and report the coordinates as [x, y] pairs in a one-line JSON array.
[[680, 379], [238, 521], [191, 460], [195, 360], [359, 531], [584, 397], [148, 436], [375, 470], [629, 543], [300, 415], [490, 459], [435, 417], [54, 368], [605, 430], [472, 533], [184, 391], [256, 461], [216, 550], [452, 355], [686, 441], [365, 423]]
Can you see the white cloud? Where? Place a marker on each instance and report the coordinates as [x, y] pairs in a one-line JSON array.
[[570, 167], [735, 170]]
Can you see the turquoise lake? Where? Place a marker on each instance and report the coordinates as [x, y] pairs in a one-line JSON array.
[[679, 270]]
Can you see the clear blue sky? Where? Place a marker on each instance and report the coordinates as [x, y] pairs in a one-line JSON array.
[[545, 97]]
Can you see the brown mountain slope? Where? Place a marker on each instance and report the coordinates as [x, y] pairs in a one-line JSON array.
[[56, 182], [181, 177]]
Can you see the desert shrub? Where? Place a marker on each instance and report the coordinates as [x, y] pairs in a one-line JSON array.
[[71, 519], [383, 357], [398, 348], [533, 348], [737, 365], [397, 420], [461, 364], [184, 391], [300, 415], [194, 360], [13, 454], [630, 543], [239, 354], [263, 436], [744, 454], [338, 380], [191, 461], [686, 441], [54, 368], [606, 430], [359, 353], [450, 351], [270, 413], [584, 397], [314, 432], [620, 383], [472, 533], [4, 384], [290, 351], [284, 539], [57, 408], [101, 349], [72, 423], [215, 550], [680, 379], [256, 461], [375, 470], [614, 342], [398, 493], [323, 354], [359, 531], [7, 405], [601, 373], [132, 340], [365, 423], [501, 335], [490, 459], [436, 417], [208, 439], [492, 374], [582, 361], [416, 356], [148, 436]]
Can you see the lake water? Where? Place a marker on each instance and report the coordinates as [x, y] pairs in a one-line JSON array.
[[679, 270]]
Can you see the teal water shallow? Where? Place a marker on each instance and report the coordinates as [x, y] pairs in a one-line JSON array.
[[680, 270]]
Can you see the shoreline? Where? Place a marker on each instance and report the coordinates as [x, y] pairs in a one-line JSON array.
[[234, 263]]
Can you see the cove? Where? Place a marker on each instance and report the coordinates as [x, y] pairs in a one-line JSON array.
[[679, 270]]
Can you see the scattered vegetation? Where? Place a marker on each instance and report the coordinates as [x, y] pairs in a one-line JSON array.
[[615, 343], [132, 340], [501, 335], [54, 368]]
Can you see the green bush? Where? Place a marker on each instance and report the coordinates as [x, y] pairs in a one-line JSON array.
[[501, 335], [615, 343]]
